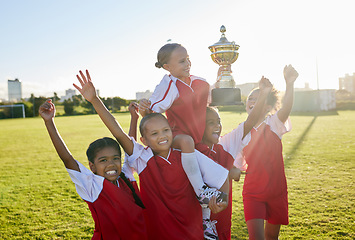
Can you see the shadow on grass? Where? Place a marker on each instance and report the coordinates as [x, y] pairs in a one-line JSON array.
[[295, 147], [315, 114]]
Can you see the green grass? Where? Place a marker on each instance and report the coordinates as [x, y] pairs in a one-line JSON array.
[[39, 201]]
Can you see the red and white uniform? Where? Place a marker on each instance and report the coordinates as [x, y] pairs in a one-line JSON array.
[[172, 210], [185, 105], [265, 187], [113, 209], [224, 153]]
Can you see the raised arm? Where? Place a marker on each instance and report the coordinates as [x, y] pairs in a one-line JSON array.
[[88, 90], [265, 87], [133, 109], [47, 112], [290, 75]]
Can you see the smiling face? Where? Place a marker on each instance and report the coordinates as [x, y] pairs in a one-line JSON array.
[[157, 135], [213, 128], [251, 100], [107, 163], [179, 63]]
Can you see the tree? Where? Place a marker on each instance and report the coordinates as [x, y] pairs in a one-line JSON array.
[[68, 107], [55, 98], [36, 103]]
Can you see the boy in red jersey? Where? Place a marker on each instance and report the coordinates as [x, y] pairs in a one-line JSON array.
[[172, 210], [112, 198]]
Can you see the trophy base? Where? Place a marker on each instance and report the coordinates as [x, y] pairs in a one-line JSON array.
[[226, 96]]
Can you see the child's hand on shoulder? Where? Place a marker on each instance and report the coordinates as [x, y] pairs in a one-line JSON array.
[[290, 74], [47, 110]]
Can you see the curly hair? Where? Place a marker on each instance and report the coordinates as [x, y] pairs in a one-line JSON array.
[[273, 99]]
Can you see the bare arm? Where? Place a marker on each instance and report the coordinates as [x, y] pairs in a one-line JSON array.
[[89, 92], [47, 112], [133, 109], [265, 87], [290, 75]]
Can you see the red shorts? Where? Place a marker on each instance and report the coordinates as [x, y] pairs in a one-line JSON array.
[[275, 211]]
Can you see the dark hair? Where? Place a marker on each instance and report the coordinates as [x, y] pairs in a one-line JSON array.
[[98, 145], [164, 53], [148, 117], [273, 99], [211, 109]]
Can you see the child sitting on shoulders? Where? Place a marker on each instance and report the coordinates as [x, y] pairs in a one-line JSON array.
[[172, 209]]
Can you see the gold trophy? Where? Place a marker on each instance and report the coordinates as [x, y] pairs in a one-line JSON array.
[[224, 53]]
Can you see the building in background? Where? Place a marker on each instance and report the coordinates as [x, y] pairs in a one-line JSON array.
[[314, 100], [246, 88], [14, 90], [347, 83], [140, 95], [69, 93]]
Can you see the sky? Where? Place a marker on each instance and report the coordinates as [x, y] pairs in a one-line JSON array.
[[45, 43]]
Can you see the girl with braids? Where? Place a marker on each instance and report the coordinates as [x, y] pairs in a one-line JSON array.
[[111, 194], [265, 187]]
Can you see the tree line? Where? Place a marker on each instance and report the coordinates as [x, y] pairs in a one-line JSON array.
[[76, 105]]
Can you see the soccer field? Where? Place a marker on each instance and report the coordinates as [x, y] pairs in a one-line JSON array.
[[39, 201]]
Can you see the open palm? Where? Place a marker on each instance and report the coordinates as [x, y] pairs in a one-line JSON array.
[[87, 88]]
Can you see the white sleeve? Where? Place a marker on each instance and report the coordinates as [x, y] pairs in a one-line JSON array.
[[140, 156], [233, 143], [277, 126], [127, 170], [87, 184], [164, 95]]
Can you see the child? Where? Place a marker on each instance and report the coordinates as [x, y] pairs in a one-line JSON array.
[[183, 97], [172, 210], [265, 188], [224, 150], [112, 199]]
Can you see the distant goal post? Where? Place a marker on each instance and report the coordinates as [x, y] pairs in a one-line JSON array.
[[11, 112]]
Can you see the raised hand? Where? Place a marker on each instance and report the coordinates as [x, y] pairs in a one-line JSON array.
[[290, 74], [265, 85], [133, 109], [87, 88], [47, 110]]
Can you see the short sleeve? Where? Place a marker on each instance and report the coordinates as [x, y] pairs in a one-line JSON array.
[[87, 184], [127, 170], [140, 156], [278, 127], [233, 141], [164, 95]]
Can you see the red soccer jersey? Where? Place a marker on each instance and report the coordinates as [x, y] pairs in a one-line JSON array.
[[219, 155], [113, 208], [116, 215], [265, 178], [172, 209], [185, 105]]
